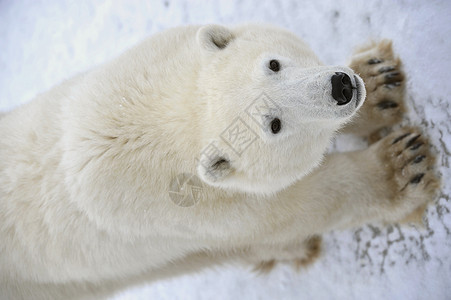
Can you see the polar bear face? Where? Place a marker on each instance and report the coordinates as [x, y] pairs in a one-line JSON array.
[[272, 107]]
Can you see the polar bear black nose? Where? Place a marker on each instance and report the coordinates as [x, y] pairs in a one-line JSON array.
[[341, 88]]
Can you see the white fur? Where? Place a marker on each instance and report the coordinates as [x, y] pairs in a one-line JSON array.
[[85, 168]]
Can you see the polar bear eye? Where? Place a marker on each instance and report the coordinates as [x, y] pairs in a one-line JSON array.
[[274, 65], [276, 125]]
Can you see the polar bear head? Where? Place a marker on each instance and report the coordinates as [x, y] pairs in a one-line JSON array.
[[271, 107]]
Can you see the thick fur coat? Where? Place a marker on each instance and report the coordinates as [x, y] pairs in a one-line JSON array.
[[200, 145]]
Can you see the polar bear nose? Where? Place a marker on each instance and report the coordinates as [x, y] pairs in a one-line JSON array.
[[341, 88]]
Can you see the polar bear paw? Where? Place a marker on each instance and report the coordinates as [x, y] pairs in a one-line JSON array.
[[384, 78], [300, 255], [411, 182]]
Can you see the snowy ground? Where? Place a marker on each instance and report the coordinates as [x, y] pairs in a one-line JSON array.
[[42, 43]]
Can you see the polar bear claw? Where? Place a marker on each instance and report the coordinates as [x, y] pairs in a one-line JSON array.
[[384, 80]]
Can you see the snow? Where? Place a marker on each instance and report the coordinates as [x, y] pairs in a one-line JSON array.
[[44, 42]]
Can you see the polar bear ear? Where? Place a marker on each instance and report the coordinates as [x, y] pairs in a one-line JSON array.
[[214, 37], [214, 169]]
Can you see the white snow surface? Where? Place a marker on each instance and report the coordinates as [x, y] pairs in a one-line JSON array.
[[44, 42]]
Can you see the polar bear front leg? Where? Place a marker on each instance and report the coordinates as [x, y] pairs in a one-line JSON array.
[[391, 180], [384, 78]]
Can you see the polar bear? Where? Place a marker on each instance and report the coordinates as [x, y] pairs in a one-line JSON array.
[[202, 144]]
